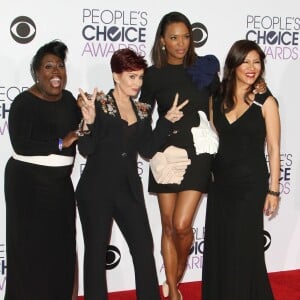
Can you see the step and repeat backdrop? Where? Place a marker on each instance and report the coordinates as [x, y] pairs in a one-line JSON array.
[[93, 30]]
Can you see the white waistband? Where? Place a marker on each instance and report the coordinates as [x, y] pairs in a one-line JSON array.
[[52, 160]]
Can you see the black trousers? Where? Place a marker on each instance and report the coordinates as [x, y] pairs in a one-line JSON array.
[[96, 214], [40, 232]]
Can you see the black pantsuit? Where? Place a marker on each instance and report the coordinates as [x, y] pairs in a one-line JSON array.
[[110, 188]]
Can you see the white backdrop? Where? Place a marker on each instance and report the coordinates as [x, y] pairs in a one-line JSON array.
[[95, 29]]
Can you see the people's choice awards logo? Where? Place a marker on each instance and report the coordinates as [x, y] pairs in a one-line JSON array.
[[278, 36], [195, 258], [7, 95], [23, 30], [104, 31], [2, 267], [200, 34], [286, 172]]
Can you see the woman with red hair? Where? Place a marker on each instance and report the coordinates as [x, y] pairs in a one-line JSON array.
[[116, 128]]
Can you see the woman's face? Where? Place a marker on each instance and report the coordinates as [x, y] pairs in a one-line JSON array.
[[51, 77], [129, 83], [247, 72], [176, 40]]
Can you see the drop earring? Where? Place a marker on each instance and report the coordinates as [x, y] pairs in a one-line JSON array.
[[163, 48]]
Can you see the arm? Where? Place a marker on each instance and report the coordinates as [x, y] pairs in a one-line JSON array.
[[20, 131], [147, 91], [272, 121], [152, 141], [211, 113], [87, 142], [29, 136]]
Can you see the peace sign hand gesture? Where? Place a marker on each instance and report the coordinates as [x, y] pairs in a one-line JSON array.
[[86, 103], [174, 114]]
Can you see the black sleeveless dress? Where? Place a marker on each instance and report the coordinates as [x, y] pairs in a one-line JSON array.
[[234, 265]]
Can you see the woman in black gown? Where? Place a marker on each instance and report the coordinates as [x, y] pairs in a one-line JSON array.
[[117, 128], [234, 266], [40, 202]]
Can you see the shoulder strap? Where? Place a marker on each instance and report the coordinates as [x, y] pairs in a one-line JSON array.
[[261, 98]]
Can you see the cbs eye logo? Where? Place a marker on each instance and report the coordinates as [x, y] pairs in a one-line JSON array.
[[200, 34], [113, 257], [267, 239], [23, 30]]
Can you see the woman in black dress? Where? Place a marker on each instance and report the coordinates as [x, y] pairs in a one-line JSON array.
[[234, 266], [177, 69], [40, 202], [116, 128]]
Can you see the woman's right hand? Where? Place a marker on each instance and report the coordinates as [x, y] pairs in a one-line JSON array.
[[174, 114], [69, 139], [87, 106]]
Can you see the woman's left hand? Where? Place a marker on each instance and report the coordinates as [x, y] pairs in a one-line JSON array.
[[174, 114], [271, 205], [87, 105]]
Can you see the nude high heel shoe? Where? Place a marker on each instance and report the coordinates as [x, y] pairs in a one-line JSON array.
[[165, 290]]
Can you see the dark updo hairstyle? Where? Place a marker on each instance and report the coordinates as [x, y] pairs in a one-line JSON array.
[[159, 56], [127, 60], [235, 57], [55, 47]]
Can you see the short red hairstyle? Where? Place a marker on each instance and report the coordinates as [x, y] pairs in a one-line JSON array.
[[127, 60]]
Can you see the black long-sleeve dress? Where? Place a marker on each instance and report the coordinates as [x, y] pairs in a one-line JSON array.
[[196, 84], [111, 188], [234, 266], [40, 202]]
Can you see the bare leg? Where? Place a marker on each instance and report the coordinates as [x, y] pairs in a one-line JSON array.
[[186, 206], [177, 214], [167, 204]]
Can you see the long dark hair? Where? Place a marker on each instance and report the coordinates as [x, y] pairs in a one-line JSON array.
[[159, 56], [55, 47], [235, 58]]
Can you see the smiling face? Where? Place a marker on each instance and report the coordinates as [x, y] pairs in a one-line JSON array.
[[250, 69], [51, 77], [128, 83], [176, 40]]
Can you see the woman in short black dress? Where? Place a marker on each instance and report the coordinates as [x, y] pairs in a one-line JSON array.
[[177, 69]]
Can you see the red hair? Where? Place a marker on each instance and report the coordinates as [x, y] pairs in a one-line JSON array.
[[127, 60]]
